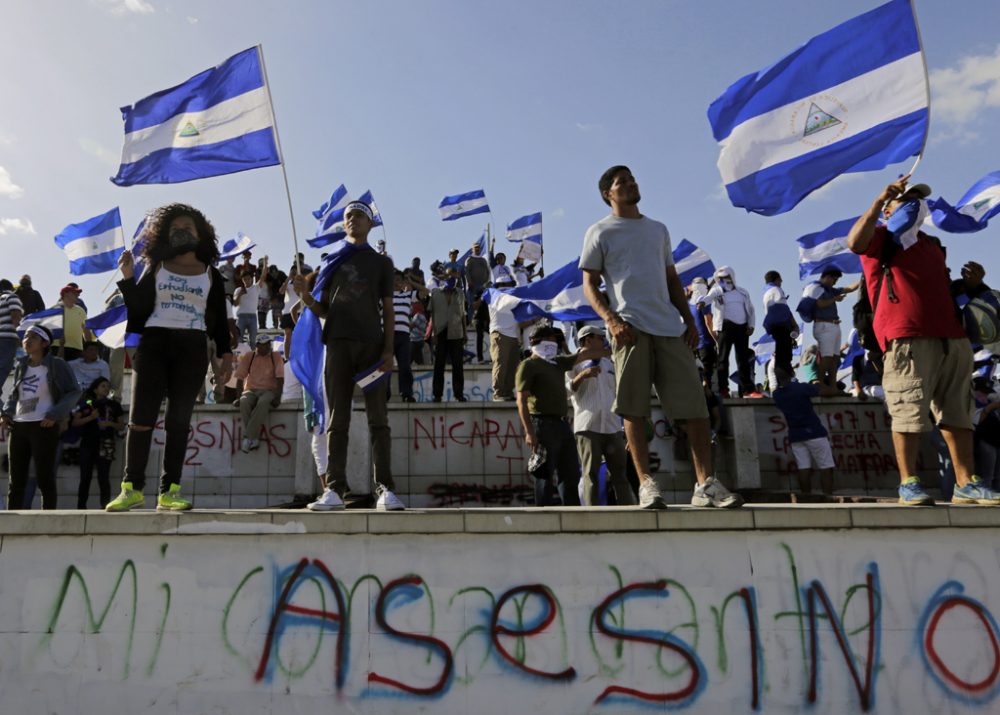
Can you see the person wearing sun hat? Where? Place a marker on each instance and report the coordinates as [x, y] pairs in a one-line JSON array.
[[41, 399]]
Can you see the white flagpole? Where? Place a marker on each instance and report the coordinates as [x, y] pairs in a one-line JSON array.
[[281, 157], [927, 89]]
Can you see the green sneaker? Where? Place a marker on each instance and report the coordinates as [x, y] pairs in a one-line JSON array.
[[172, 500], [128, 499]]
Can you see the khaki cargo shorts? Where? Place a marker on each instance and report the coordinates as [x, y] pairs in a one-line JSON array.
[[665, 363], [928, 376]]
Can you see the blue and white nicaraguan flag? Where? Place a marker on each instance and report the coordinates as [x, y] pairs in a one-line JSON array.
[[51, 319], [692, 262], [94, 245], [330, 218], [109, 327], [828, 249], [218, 122], [974, 211], [462, 205], [235, 247], [376, 216], [558, 296], [338, 199], [852, 99], [525, 227], [527, 231]]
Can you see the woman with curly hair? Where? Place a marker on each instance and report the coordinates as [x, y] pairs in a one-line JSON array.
[[180, 297]]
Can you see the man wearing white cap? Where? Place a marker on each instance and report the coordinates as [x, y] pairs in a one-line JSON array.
[[598, 430], [260, 378]]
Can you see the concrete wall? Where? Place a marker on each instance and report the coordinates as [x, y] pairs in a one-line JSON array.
[[472, 454], [260, 613]]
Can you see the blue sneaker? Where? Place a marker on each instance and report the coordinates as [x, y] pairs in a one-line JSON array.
[[911, 493], [975, 492]]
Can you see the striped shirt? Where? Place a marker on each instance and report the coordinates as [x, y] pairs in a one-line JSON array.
[[402, 304], [9, 302]]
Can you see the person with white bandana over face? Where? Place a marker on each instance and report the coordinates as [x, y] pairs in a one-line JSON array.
[[542, 407], [733, 321]]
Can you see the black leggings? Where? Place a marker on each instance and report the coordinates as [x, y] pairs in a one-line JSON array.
[[29, 441], [172, 364]]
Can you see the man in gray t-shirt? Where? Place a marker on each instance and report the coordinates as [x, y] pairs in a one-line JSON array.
[[653, 333]]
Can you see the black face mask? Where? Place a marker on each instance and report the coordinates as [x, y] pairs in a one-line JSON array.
[[182, 241]]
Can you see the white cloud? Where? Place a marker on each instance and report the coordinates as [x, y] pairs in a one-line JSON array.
[[99, 151], [192, 20], [121, 7], [7, 139], [960, 93], [7, 187], [558, 213], [16, 225], [589, 126]]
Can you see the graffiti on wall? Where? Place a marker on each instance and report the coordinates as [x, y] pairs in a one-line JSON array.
[[792, 634]]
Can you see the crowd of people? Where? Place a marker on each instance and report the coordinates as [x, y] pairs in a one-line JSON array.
[[198, 315]]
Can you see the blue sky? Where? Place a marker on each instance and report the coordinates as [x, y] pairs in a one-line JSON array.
[[415, 100]]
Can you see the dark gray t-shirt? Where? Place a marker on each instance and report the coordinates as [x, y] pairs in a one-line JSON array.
[[356, 293], [632, 255]]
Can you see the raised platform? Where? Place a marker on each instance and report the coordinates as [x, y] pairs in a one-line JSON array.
[[530, 520]]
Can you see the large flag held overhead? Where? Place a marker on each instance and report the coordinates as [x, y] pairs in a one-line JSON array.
[[235, 247], [462, 205], [94, 245], [218, 122], [828, 249], [692, 262], [974, 211], [558, 296], [852, 99], [51, 319], [109, 327]]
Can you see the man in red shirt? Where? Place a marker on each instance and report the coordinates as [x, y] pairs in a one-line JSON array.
[[928, 358]]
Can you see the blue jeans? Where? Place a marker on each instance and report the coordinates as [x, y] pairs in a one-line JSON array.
[[247, 322]]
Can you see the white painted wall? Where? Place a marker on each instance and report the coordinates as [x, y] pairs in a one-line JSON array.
[[187, 630]]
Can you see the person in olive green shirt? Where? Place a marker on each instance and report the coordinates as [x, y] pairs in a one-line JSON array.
[[447, 310], [542, 406]]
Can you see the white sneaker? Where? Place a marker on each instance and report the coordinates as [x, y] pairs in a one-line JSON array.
[[329, 501], [387, 501], [713, 493], [649, 495], [245, 445]]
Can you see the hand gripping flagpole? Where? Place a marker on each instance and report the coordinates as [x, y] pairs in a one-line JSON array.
[[927, 89], [281, 157]]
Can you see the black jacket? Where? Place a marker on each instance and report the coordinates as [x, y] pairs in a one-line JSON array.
[[140, 300]]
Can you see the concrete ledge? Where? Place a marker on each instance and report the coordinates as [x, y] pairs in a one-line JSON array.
[[755, 517], [497, 521], [883, 516], [695, 519]]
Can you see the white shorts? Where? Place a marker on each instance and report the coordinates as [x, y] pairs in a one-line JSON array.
[[827, 337], [813, 453]]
